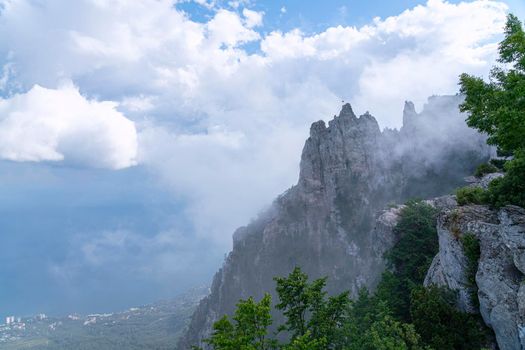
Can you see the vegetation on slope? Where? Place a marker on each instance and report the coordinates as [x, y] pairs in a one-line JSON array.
[[402, 314]]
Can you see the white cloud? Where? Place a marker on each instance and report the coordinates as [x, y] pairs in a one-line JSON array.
[[221, 127], [252, 18], [138, 103], [55, 125], [227, 28]]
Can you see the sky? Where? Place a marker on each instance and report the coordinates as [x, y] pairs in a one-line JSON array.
[[135, 136]]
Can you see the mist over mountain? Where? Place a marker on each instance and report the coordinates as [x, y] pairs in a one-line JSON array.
[[151, 146], [326, 224]]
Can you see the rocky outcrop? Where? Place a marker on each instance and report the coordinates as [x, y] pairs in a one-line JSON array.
[[484, 181], [500, 277], [326, 224]]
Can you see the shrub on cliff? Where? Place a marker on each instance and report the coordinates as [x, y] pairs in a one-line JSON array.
[[471, 195], [509, 189], [484, 169]]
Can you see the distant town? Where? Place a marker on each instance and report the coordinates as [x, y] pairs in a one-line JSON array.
[[148, 326], [13, 327]]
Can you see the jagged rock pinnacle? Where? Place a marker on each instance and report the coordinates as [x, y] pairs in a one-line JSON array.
[[409, 113], [325, 224], [317, 128], [347, 111]]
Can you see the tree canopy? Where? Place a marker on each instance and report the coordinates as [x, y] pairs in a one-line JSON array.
[[497, 108]]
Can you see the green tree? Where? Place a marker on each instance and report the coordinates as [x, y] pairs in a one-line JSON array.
[[296, 298], [509, 189], [313, 320], [440, 324], [249, 330], [310, 315], [389, 334], [410, 258], [371, 326], [362, 313], [497, 108], [306, 342]]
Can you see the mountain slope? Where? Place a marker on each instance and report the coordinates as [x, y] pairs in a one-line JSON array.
[[349, 171]]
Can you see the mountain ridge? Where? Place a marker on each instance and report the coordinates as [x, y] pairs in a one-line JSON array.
[[349, 171]]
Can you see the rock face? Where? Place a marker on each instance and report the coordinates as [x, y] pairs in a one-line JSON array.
[[500, 277], [326, 224]]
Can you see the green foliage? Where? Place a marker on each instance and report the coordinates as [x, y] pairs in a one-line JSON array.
[[297, 297], [484, 169], [306, 342], [389, 334], [371, 326], [395, 291], [412, 254], [313, 320], [472, 252], [249, 330], [509, 189], [497, 108], [310, 315], [471, 195], [362, 313], [410, 257], [440, 324]]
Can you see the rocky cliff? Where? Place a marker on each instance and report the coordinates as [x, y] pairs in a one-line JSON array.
[[326, 224], [500, 274]]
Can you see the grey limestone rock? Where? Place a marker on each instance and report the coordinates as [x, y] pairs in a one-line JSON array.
[[500, 277], [331, 223]]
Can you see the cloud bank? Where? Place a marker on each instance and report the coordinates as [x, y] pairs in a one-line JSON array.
[[61, 125], [221, 107]]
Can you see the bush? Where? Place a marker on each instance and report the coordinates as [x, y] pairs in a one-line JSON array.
[[484, 169], [509, 189], [471, 195]]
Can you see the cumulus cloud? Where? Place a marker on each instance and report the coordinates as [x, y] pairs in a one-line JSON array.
[[221, 126], [61, 125], [227, 28], [252, 18]]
